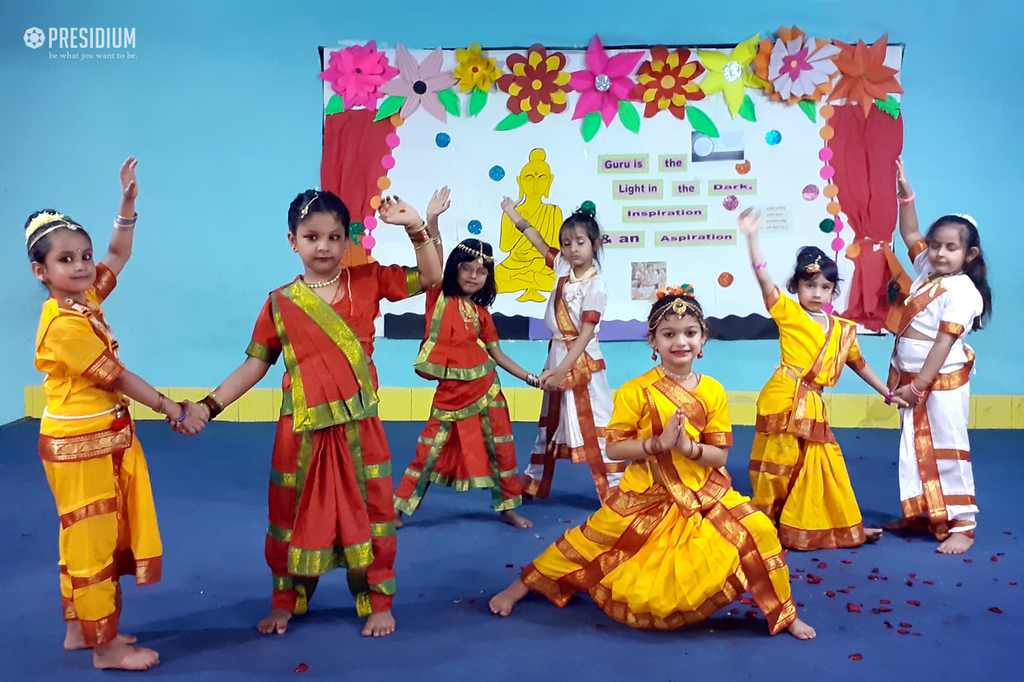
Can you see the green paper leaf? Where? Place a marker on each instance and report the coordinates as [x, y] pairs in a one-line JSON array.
[[512, 121], [591, 124], [627, 114], [889, 106], [810, 108], [335, 105], [389, 106], [700, 121], [747, 109], [449, 101], [477, 101]]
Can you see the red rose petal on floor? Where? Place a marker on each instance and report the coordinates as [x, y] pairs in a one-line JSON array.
[[850, 587], [800, 604], [903, 632], [995, 609], [510, 565], [881, 609], [822, 565], [916, 634], [887, 624], [746, 600], [910, 583], [995, 558], [568, 521], [734, 612], [872, 577], [813, 559], [905, 625], [830, 594], [884, 601], [928, 582], [471, 601], [959, 584], [913, 602], [914, 576], [301, 668], [1013, 582], [853, 608], [1000, 553], [883, 577], [847, 561], [750, 614], [876, 611], [845, 590], [856, 657], [968, 561], [799, 570], [600, 626], [874, 570], [813, 579], [1007, 532]]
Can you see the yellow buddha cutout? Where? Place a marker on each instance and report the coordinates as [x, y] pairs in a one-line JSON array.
[[524, 269]]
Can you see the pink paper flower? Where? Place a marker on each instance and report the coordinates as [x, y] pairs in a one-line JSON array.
[[356, 74], [798, 66], [419, 83], [606, 82]]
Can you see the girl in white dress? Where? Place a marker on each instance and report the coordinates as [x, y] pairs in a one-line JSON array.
[[577, 400], [931, 368]]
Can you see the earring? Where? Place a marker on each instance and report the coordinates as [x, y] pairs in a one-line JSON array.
[[654, 355], [700, 354]]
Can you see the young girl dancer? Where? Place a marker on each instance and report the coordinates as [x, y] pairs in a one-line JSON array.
[[673, 542], [330, 484], [92, 459], [931, 368], [577, 400], [797, 471], [467, 442]]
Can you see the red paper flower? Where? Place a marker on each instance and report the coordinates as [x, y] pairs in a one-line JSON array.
[[665, 81], [536, 84], [865, 77]]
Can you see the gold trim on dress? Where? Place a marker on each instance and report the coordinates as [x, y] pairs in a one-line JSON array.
[[85, 446], [97, 508], [260, 352]]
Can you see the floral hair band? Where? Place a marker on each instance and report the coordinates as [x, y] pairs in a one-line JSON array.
[[684, 304], [477, 255], [814, 266]]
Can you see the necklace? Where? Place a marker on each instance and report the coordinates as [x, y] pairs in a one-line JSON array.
[[818, 313], [320, 285], [468, 311], [678, 378]]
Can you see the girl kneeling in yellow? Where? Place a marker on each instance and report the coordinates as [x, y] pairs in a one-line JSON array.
[[797, 470], [674, 542], [92, 459]]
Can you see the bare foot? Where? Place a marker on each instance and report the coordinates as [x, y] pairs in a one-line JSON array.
[[74, 641], [379, 624], [956, 543], [801, 630], [398, 519], [276, 622], [503, 602], [517, 520], [872, 535], [121, 656]]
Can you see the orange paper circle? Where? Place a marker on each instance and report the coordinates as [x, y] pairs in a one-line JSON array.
[[375, 203], [827, 111], [831, 191], [383, 182], [397, 120], [827, 132], [833, 208], [725, 279], [853, 250]]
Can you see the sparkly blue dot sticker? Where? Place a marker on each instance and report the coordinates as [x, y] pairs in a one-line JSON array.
[[475, 227], [496, 173], [773, 137], [443, 140]]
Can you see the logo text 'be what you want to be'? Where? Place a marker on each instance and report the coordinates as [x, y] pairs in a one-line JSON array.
[[83, 38]]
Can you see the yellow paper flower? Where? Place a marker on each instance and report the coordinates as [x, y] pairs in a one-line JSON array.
[[474, 69], [731, 73]]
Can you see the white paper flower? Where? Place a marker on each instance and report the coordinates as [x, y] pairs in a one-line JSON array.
[[799, 66]]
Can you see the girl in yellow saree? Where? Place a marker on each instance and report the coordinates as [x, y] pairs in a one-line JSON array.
[[92, 459], [673, 542], [797, 470]]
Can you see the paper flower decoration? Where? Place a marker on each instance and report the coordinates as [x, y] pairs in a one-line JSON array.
[[536, 86], [419, 83], [665, 81], [730, 73], [796, 66], [604, 83], [865, 77], [474, 69], [356, 74]]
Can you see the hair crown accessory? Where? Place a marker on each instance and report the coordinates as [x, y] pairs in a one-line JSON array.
[[815, 265], [305, 209], [478, 255], [45, 223], [968, 218], [684, 304], [680, 290]]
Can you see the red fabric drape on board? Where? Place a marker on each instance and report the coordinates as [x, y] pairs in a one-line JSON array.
[[350, 167], [864, 158]]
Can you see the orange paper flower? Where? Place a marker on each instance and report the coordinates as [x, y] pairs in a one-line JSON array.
[[865, 77]]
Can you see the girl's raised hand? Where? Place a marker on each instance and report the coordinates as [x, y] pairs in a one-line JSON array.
[[509, 206], [129, 187], [749, 222], [901, 178], [395, 211], [439, 203]]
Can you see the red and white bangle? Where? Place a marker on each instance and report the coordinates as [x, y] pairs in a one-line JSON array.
[[906, 200], [913, 389]]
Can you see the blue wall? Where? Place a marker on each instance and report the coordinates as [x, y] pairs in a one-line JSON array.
[[222, 107]]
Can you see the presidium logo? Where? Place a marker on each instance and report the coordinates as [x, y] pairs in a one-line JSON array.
[[34, 37]]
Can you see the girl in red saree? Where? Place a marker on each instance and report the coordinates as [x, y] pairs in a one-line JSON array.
[[330, 481], [467, 442]]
